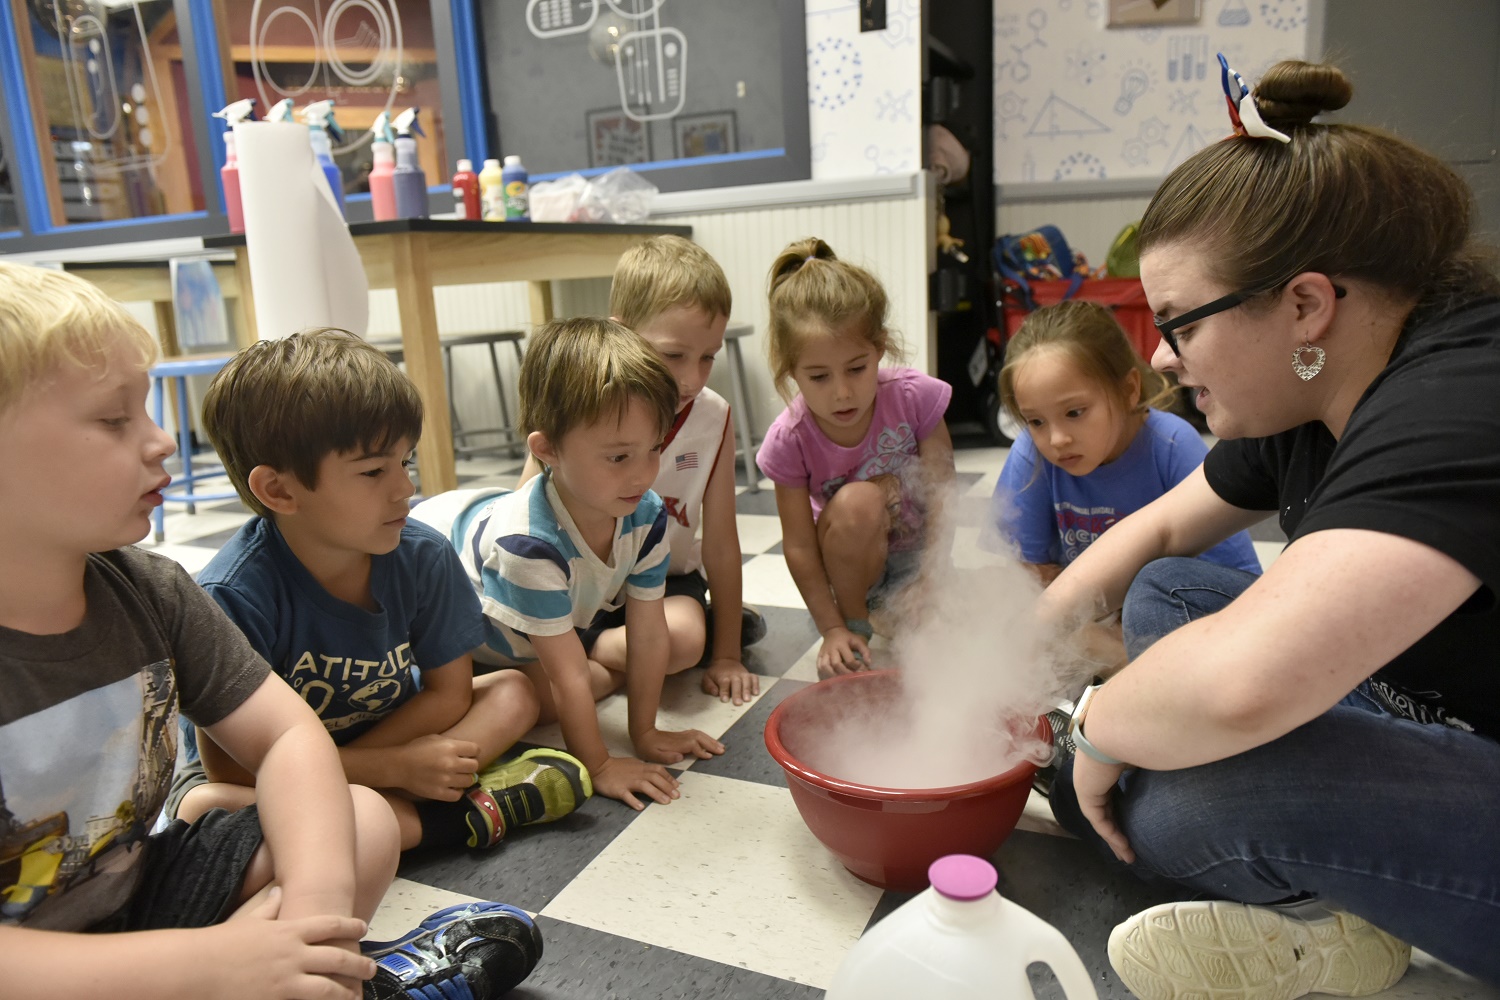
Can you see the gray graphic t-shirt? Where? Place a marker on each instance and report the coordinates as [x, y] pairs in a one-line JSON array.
[[88, 733]]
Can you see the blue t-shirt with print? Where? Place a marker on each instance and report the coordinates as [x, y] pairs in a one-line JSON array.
[[1052, 516], [353, 666]]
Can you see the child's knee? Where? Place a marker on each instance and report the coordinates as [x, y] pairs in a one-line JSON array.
[[856, 513], [377, 834], [687, 628], [511, 695]]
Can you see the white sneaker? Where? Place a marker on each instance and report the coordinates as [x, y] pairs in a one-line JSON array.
[[1221, 950]]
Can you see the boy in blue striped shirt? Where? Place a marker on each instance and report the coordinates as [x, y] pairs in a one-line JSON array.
[[555, 561]]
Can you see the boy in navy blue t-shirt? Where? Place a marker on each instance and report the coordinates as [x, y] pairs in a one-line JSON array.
[[368, 616]]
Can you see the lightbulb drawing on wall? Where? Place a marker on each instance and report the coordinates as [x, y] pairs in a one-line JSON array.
[[1133, 85]]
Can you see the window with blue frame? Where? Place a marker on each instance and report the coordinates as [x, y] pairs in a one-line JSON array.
[[691, 93], [369, 56], [110, 108], [9, 218]]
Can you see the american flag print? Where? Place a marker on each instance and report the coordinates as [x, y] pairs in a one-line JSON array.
[[687, 460]]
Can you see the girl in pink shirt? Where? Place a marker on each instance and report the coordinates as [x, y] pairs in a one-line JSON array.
[[859, 455]]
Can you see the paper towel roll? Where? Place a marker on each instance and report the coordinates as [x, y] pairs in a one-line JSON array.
[[303, 265]]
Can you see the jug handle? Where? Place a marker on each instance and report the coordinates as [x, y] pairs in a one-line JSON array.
[[1050, 948]]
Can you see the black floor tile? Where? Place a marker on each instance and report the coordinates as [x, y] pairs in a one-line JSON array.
[[580, 963], [789, 633], [763, 502], [531, 865], [747, 757]]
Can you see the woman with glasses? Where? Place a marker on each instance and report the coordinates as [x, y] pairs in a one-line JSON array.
[[1314, 750]]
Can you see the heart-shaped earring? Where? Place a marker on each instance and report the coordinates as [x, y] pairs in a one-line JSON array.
[[1306, 370]]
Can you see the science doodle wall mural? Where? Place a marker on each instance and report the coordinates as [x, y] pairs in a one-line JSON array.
[[1077, 101]]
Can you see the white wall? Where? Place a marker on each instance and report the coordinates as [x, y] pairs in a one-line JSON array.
[[1076, 100]]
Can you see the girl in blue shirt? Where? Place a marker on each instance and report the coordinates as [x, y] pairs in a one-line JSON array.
[[1097, 448]]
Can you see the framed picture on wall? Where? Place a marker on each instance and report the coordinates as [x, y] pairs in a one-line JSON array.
[[711, 134], [1150, 13], [616, 139]]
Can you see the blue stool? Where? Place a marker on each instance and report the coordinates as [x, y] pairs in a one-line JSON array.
[[179, 369]]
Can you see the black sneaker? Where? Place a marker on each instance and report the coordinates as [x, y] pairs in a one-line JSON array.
[[752, 626], [1062, 749], [472, 951]]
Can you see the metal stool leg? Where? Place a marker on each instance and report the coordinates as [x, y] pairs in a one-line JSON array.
[[185, 441], [518, 445], [506, 427], [740, 390], [458, 429], [159, 516]]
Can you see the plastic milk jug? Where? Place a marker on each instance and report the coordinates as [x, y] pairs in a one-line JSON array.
[[958, 940]]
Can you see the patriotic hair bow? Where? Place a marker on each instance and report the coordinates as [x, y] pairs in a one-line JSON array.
[[1242, 110]]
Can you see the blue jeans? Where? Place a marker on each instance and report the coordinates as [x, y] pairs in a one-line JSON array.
[[1387, 818]]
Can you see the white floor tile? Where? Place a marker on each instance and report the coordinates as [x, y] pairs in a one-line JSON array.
[[1429, 979], [806, 667], [768, 581], [1037, 817], [405, 905], [758, 532], [1267, 551], [729, 873], [683, 706], [979, 459], [191, 557]]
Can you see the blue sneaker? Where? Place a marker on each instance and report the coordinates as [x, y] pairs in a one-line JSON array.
[[471, 951]]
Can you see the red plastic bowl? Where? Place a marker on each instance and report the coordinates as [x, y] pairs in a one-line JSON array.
[[889, 836]]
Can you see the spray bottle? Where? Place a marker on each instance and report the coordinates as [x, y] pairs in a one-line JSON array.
[[320, 125], [382, 173], [229, 174], [958, 940], [411, 183], [281, 111]]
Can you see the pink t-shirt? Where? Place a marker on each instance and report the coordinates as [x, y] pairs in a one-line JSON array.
[[908, 405]]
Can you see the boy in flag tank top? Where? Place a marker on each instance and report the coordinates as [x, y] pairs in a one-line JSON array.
[[674, 294]]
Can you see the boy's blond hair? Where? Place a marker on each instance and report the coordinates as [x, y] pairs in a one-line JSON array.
[[580, 371], [289, 403], [663, 272], [50, 318]]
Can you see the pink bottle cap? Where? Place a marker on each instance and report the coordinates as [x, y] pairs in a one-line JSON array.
[[962, 876]]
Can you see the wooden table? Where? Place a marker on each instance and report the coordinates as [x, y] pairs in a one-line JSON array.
[[415, 255], [151, 281]]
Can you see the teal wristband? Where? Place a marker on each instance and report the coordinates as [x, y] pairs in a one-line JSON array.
[[1075, 729]]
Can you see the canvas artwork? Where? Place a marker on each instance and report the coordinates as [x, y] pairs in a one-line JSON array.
[[710, 134], [616, 139], [1151, 13]]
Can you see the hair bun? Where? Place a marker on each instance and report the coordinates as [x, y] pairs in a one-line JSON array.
[[1293, 92]]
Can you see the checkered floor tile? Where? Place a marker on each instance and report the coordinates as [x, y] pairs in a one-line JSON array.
[[724, 893]]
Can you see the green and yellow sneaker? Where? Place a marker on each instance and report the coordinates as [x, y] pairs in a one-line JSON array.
[[539, 786]]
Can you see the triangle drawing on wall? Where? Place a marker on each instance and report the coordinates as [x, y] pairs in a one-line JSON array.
[[1058, 117], [1188, 143]]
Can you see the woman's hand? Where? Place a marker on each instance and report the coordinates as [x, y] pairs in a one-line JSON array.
[[1094, 784]]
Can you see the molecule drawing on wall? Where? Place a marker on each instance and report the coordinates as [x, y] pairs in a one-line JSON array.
[[835, 75], [1058, 117], [1080, 167], [1284, 15]]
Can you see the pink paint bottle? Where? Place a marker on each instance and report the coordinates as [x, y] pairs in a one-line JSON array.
[[229, 173], [382, 173]]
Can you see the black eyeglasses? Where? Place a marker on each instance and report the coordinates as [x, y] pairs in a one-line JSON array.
[[1168, 327]]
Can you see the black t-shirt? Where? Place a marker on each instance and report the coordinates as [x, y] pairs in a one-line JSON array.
[[1420, 458]]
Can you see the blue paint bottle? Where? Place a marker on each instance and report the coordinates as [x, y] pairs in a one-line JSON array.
[[410, 182], [320, 126]]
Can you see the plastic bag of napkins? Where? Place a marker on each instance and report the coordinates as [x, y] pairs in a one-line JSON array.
[[621, 196], [556, 201]]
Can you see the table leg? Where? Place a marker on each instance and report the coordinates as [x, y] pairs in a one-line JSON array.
[[424, 359], [541, 304], [248, 333]]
